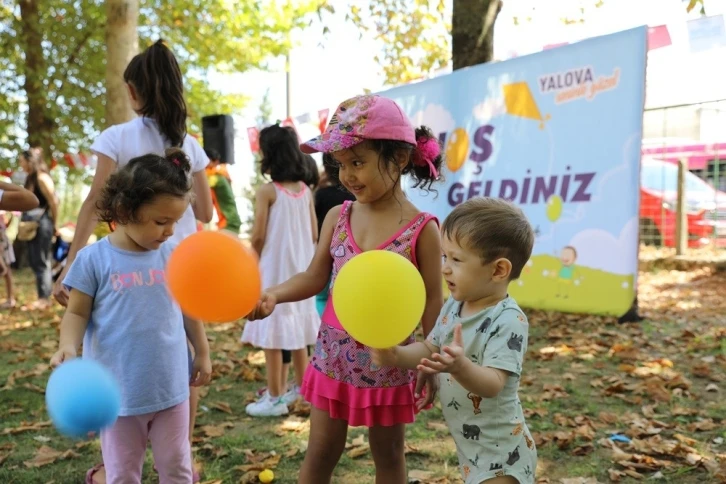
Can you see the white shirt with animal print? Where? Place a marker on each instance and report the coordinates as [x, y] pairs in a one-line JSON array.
[[492, 438]]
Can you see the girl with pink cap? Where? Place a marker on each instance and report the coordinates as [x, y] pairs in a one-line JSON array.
[[373, 146]]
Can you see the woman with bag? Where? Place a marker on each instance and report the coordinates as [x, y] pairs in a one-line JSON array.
[[38, 226]]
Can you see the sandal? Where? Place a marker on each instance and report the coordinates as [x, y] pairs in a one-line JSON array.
[[91, 472], [8, 305]]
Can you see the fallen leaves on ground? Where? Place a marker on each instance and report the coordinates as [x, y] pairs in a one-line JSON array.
[[216, 430], [260, 462], [47, 455], [358, 447], [668, 369], [27, 427], [634, 401]]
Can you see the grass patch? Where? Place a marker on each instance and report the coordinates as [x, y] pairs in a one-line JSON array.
[[584, 379]]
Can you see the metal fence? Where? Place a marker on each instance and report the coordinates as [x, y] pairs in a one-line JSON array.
[[689, 133]]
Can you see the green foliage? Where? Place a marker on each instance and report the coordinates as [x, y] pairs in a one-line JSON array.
[[414, 34], [205, 35]]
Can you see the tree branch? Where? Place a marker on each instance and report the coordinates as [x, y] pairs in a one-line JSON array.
[[490, 17], [74, 55]]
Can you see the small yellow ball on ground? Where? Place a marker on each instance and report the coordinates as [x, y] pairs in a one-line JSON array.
[[266, 476]]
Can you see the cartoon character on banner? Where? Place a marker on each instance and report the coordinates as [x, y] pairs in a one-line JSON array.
[[566, 275]]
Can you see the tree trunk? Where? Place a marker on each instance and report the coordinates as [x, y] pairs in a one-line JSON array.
[[472, 31], [122, 43], [40, 123]]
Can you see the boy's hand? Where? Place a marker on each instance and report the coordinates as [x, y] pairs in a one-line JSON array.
[[450, 360], [264, 307], [201, 370], [61, 356], [384, 357]]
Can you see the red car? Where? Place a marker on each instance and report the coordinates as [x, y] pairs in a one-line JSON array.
[[705, 207]]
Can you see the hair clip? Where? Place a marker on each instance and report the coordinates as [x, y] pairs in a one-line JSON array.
[[427, 150]]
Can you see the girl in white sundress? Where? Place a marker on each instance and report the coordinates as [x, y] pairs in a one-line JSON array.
[[284, 234]]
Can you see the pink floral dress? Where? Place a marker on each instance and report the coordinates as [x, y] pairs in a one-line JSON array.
[[341, 378]]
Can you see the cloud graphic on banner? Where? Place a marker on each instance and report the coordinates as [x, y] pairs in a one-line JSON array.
[[436, 117], [599, 249], [490, 108], [619, 174]]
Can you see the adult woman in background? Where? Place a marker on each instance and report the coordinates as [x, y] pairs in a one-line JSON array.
[[38, 225]]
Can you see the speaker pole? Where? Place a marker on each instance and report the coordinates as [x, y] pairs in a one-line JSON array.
[[287, 86]]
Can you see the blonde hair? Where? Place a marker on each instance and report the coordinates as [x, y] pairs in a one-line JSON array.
[[493, 227]]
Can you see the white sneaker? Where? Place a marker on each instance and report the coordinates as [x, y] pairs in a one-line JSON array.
[[267, 406], [292, 394], [263, 396]]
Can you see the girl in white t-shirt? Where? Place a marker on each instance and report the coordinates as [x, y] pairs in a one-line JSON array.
[[156, 91]]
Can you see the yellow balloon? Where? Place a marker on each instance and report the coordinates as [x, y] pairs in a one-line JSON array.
[[554, 208], [379, 298], [457, 149], [266, 476]]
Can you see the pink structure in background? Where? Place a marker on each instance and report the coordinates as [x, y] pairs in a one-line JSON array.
[[698, 154]]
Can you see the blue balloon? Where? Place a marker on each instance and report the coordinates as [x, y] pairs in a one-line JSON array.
[[82, 396]]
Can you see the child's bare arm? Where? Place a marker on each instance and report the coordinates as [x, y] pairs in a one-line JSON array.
[[305, 284], [73, 326], [264, 197], [194, 330], [202, 364], [408, 356], [484, 381], [17, 198]]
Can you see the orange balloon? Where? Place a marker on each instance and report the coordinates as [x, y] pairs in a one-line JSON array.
[[214, 277]]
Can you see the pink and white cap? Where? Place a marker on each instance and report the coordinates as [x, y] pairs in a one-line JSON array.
[[362, 118]]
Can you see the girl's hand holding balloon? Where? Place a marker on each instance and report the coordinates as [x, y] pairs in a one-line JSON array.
[[264, 307], [62, 355], [451, 359], [385, 357], [201, 370]]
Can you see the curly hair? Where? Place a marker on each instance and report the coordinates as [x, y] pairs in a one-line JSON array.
[[142, 180]]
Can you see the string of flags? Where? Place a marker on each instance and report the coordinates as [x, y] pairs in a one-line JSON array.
[[704, 33], [317, 120]]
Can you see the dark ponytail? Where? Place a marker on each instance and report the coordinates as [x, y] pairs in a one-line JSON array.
[[141, 181], [157, 79]]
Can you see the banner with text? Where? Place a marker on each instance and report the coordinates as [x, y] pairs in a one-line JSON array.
[[558, 133]]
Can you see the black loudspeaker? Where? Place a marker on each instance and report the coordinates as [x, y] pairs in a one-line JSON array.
[[218, 134]]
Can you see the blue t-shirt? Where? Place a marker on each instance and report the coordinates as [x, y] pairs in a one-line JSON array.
[[136, 330]]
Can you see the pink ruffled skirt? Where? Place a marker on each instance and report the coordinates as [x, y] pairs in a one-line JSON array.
[[342, 381]]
